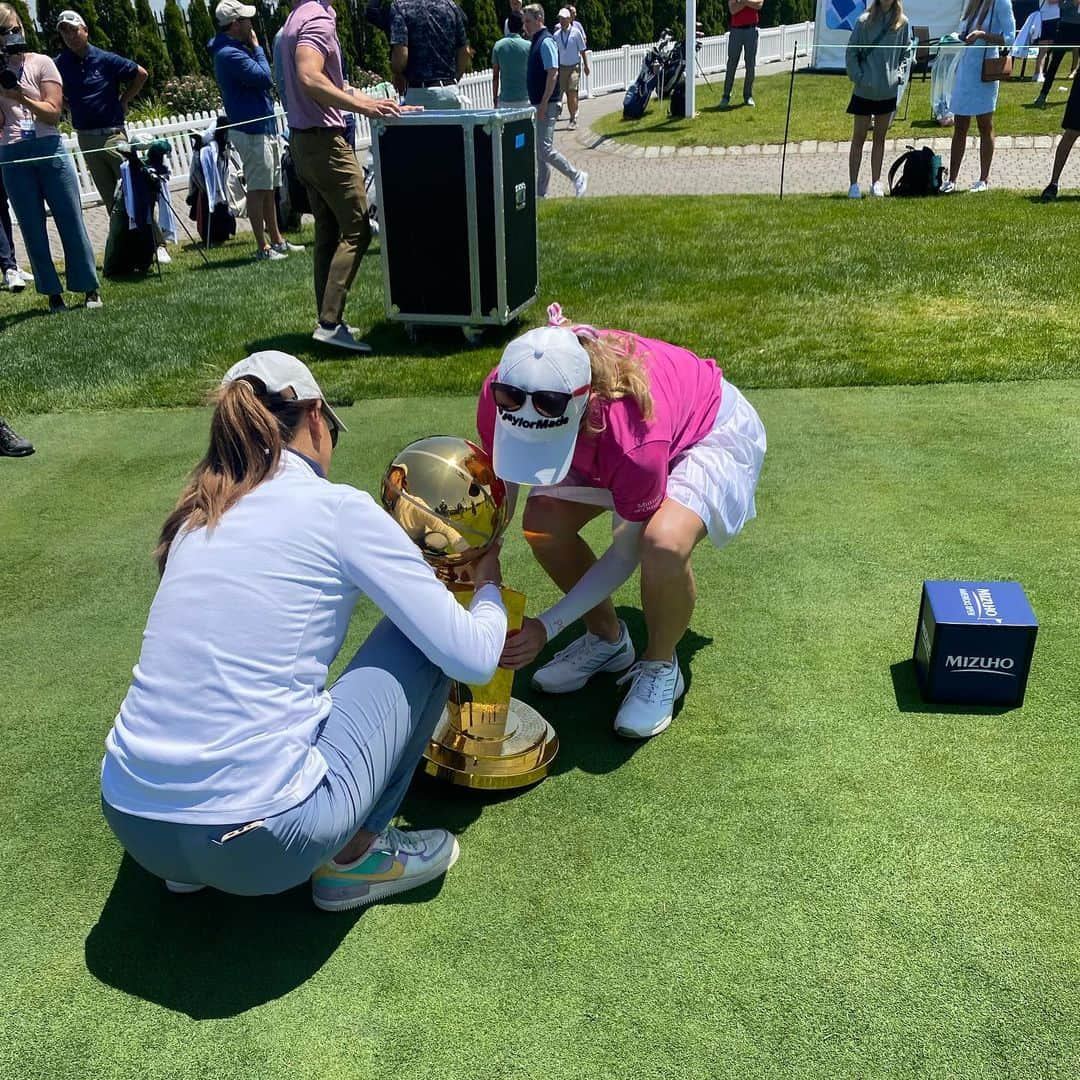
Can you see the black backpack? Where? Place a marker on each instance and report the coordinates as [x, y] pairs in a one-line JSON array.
[[921, 173]]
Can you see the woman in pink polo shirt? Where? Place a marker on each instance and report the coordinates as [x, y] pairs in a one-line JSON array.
[[606, 420]]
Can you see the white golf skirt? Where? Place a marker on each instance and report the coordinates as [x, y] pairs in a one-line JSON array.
[[716, 478]]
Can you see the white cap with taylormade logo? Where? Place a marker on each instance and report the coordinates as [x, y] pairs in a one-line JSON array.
[[531, 448], [279, 372]]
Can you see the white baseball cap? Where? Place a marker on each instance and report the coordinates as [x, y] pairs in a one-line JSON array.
[[70, 18], [564, 13], [228, 11], [279, 372], [531, 448]]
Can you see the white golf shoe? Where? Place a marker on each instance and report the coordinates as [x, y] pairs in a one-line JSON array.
[[572, 667], [655, 686]]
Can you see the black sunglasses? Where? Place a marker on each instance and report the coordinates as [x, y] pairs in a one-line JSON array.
[[549, 403]]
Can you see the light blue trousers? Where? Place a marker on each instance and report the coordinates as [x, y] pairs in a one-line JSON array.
[[385, 707], [51, 182]]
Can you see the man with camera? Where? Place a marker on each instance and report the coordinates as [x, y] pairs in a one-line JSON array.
[[93, 81]]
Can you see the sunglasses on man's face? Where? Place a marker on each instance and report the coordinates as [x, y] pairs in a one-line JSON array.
[[549, 403], [332, 424]]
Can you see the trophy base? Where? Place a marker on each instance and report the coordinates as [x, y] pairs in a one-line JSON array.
[[522, 757]]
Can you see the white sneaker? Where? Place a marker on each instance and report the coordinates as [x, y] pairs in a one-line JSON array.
[[398, 860], [286, 246], [13, 280], [853, 192], [340, 336], [655, 686], [877, 189], [572, 667], [581, 184], [163, 255], [181, 888], [1038, 77], [268, 254], [979, 185], [948, 187]]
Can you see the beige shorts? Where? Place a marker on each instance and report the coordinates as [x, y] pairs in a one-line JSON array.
[[568, 78], [261, 157]]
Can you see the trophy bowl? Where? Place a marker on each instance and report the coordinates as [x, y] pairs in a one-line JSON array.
[[444, 493]]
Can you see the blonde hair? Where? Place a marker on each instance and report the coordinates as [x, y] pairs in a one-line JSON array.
[[617, 372], [9, 14], [875, 11], [248, 432]]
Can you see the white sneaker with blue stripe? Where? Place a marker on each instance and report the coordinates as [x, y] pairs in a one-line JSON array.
[[571, 668], [655, 686]]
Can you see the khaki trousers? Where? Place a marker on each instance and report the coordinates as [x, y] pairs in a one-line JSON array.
[[104, 166], [327, 166]]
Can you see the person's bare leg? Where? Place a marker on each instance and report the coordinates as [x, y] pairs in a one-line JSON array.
[[356, 847], [270, 217], [858, 140], [986, 144], [257, 217], [961, 126], [1068, 137], [877, 150], [571, 103], [551, 527], [668, 591]]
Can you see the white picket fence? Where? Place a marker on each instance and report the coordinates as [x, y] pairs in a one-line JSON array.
[[612, 71]]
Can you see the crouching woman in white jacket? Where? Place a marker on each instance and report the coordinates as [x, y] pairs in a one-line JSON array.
[[230, 763]]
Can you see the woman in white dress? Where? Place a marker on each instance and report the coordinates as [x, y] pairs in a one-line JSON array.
[[986, 23]]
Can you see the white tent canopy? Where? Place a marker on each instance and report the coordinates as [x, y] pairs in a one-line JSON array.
[[836, 18]]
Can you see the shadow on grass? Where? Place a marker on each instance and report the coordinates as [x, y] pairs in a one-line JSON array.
[[211, 955], [909, 698], [584, 723], [9, 322]]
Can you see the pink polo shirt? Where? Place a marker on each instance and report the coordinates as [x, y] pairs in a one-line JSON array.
[[312, 23], [630, 457], [35, 70]]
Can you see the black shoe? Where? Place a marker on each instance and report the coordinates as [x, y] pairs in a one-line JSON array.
[[1050, 193], [56, 304], [12, 445]]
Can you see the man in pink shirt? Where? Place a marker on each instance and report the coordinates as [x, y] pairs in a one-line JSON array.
[[608, 420], [325, 162]]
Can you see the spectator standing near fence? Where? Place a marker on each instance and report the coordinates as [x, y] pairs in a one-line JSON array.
[[742, 42], [244, 78], [543, 83], [510, 66], [38, 172], [325, 162], [1067, 37], [1050, 17], [98, 99], [986, 23], [876, 59], [515, 5], [573, 57], [1070, 124], [429, 51]]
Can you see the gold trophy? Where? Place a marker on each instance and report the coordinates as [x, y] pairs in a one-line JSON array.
[[444, 493]]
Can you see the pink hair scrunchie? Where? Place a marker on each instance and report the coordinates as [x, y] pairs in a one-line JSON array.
[[556, 318]]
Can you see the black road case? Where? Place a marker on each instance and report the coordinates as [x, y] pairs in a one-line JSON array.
[[457, 215]]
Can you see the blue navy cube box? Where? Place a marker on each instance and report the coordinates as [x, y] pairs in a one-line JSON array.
[[974, 642]]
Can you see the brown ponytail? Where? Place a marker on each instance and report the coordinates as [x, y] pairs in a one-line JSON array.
[[248, 431]]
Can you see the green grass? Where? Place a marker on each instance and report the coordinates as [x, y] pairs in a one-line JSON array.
[[817, 112], [809, 876], [809, 292]]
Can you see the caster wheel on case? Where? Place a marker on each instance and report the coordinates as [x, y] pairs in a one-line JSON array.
[[474, 335]]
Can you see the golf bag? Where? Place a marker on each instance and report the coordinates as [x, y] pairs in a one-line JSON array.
[[216, 192], [662, 69], [132, 244]]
